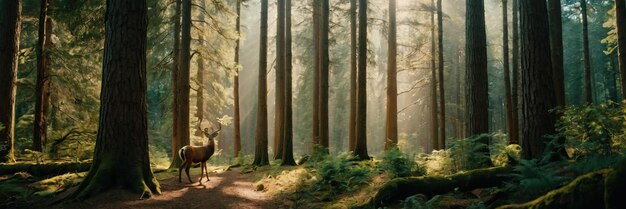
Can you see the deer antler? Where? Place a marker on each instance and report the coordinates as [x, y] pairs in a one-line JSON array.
[[219, 125]]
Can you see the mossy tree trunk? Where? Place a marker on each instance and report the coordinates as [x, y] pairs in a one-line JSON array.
[[10, 27], [121, 153]]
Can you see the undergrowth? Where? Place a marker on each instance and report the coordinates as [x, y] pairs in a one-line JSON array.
[[398, 164]]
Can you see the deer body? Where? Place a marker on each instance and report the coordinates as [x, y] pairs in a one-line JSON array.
[[197, 154]]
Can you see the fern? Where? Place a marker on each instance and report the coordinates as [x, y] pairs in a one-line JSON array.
[[532, 179], [338, 174], [398, 164]]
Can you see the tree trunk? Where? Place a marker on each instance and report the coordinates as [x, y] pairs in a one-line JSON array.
[[556, 46], [42, 85], [620, 14], [353, 72], [476, 62], [260, 154], [324, 73], [317, 31], [442, 95], [536, 78], [200, 80], [391, 134], [434, 127], [237, 119], [121, 153], [288, 143], [586, 56], [279, 123], [10, 27], [183, 76], [361, 118], [514, 136], [511, 121], [176, 142]]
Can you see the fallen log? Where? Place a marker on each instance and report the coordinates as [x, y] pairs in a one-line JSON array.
[[586, 191], [45, 169], [615, 187], [401, 188]]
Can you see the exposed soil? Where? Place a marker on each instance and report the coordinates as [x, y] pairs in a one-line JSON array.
[[229, 189]]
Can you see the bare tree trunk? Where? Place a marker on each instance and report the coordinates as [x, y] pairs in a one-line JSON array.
[[556, 46], [317, 30], [10, 27], [288, 143], [121, 153], [620, 14], [237, 119], [442, 95], [353, 72], [361, 118], [536, 78], [391, 134], [511, 121], [586, 56], [476, 62], [184, 75], [43, 84], [200, 92], [514, 136], [279, 125], [324, 73], [176, 142], [260, 155], [434, 126]]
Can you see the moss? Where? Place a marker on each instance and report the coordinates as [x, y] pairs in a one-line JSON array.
[[615, 187], [401, 188], [584, 192], [47, 169], [57, 184]]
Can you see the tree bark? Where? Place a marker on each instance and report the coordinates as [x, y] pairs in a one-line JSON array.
[[511, 120], [442, 95], [10, 27], [200, 80], [620, 14], [42, 84], [237, 119], [121, 152], [476, 62], [556, 46], [391, 134], [176, 142], [317, 31], [434, 127], [536, 78], [514, 136], [353, 74], [184, 76], [260, 154], [279, 123], [586, 56], [324, 73], [288, 143], [361, 117]]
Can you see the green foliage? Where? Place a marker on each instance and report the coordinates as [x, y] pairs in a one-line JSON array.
[[36, 156], [438, 163], [594, 129], [532, 179], [469, 153], [398, 164], [339, 173]]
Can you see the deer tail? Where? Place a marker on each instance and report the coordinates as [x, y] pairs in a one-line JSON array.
[[181, 153]]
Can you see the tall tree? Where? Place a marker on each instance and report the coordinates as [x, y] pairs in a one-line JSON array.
[[279, 123], [442, 95], [586, 55], [200, 81], [620, 14], [476, 64], [237, 118], [536, 78], [361, 118], [324, 73], [353, 72], [260, 154], [121, 152], [182, 91], [10, 27], [434, 126], [42, 87], [317, 31], [176, 142], [391, 133], [556, 46], [287, 158], [515, 67], [510, 120]]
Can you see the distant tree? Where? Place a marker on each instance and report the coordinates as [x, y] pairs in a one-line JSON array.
[[391, 133], [317, 34], [279, 123], [586, 55], [42, 87], [476, 62], [353, 74], [442, 95], [260, 155], [556, 45], [620, 13], [324, 75], [200, 80], [121, 154], [177, 143], [434, 126], [361, 135], [511, 120], [287, 158], [515, 68], [10, 27], [536, 76], [237, 118]]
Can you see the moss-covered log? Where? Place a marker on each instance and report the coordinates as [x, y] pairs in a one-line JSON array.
[[46, 169], [586, 191], [401, 188], [615, 187]]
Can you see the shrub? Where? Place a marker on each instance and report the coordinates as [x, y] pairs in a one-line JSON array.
[[339, 173], [469, 153], [398, 164]]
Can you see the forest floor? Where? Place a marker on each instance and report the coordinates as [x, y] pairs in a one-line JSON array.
[[226, 189]]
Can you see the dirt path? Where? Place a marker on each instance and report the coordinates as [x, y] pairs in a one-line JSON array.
[[229, 189]]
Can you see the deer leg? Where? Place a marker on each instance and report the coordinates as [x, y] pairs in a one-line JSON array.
[[180, 169], [187, 171], [206, 171], [201, 172]]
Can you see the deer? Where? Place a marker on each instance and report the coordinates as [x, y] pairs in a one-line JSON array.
[[198, 154]]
